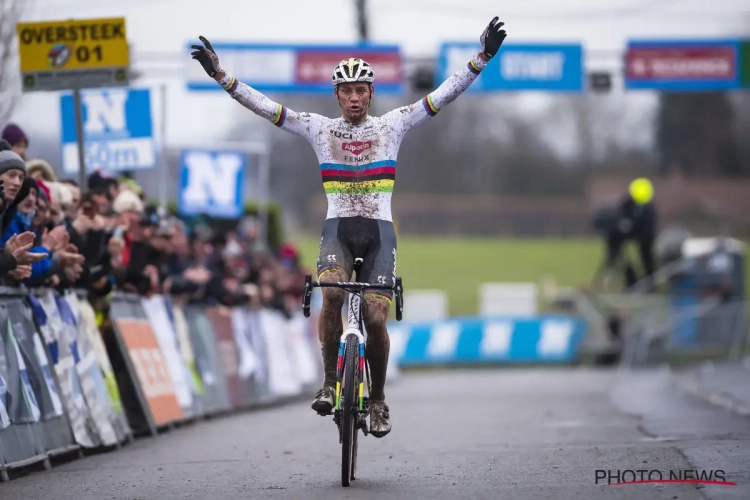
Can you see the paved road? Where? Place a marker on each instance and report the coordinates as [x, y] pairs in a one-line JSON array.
[[521, 434], [726, 384]]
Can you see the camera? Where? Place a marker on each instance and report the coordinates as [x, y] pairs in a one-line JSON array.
[[606, 219]]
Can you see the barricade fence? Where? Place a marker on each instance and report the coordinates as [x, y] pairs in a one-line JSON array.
[[73, 380], [492, 340], [679, 331]]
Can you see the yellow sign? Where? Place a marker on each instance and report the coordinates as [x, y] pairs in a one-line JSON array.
[[74, 53]]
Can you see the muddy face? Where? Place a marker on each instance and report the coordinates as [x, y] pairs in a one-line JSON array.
[[354, 99]]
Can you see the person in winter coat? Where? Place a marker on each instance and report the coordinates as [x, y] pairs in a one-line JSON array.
[[16, 258], [16, 137]]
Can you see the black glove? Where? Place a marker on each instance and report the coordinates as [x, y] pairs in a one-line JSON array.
[[492, 38], [207, 57]]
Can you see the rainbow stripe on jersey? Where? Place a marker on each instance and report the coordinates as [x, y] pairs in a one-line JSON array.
[[376, 177]]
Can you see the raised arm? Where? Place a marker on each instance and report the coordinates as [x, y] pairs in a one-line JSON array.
[[281, 116], [258, 103], [407, 117]]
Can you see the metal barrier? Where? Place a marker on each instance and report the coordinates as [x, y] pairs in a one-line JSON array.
[[655, 329], [678, 333], [72, 380]]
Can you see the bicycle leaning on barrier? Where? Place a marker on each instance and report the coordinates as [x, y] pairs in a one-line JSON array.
[[351, 406]]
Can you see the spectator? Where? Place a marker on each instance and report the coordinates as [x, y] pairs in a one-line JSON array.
[[98, 186], [40, 169], [291, 274], [129, 208], [105, 235], [17, 139], [32, 214], [139, 272], [75, 192], [18, 255], [41, 218], [128, 184], [12, 172]]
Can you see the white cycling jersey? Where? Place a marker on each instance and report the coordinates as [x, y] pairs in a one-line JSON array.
[[357, 162]]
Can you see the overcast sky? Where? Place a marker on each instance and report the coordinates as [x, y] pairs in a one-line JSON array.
[[159, 30]]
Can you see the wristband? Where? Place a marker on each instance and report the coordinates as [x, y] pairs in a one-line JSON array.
[[228, 83], [476, 65]]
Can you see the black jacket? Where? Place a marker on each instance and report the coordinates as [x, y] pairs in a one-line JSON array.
[[7, 262], [642, 217]]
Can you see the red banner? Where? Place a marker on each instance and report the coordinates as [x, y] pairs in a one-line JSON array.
[[317, 66], [681, 63]]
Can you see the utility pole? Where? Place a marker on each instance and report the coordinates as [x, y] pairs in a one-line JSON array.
[[363, 32], [362, 21]]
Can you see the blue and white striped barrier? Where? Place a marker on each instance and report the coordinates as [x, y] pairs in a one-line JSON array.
[[540, 339]]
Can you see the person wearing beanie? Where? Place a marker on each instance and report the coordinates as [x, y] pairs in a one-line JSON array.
[[12, 173], [8, 202], [25, 211], [43, 208], [72, 209], [17, 139], [43, 204], [59, 199], [99, 188], [129, 206], [43, 190], [113, 187]]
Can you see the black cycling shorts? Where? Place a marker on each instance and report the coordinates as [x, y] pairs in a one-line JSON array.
[[374, 241]]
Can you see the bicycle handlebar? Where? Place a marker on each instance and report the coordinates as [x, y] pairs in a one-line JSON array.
[[353, 285]]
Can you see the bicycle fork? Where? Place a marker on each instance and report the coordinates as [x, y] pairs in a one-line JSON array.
[[363, 367]]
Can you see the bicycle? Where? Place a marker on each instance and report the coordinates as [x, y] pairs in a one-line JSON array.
[[614, 278], [351, 410]]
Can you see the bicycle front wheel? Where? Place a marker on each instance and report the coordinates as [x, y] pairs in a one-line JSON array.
[[349, 410]]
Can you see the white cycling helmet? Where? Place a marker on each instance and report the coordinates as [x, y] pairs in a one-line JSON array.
[[353, 69]]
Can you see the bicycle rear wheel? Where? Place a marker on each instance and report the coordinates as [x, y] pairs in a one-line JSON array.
[[349, 410]]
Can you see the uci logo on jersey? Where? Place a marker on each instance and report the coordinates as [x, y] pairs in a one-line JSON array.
[[341, 135]]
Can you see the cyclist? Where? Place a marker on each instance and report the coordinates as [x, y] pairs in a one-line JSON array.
[[357, 155]]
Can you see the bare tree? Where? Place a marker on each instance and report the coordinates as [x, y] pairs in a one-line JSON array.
[[10, 14]]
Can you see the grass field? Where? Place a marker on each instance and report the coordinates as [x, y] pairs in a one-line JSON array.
[[459, 265]]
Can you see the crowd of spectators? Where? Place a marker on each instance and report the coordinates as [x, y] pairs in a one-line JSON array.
[[106, 236]]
